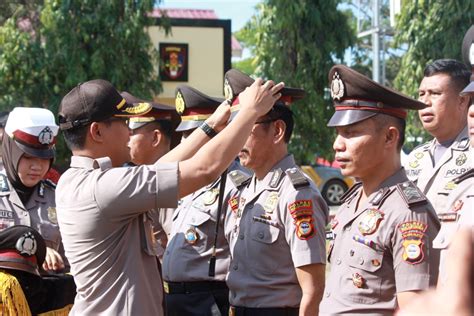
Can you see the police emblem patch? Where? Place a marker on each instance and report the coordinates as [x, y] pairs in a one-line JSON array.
[[370, 220], [210, 196], [337, 87], [52, 215], [179, 103], [191, 236], [271, 202], [413, 252], [304, 228], [26, 244], [45, 137], [461, 159]]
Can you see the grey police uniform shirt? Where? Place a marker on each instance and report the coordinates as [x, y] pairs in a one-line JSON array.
[[381, 248], [103, 214], [189, 249], [435, 180], [162, 219], [39, 211], [277, 224], [460, 213]]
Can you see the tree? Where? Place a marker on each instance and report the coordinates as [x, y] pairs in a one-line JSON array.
[[76, 41], [297, 42]]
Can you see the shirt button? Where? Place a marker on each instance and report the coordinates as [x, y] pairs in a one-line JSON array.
[[167, 252], [328, 294], [241, 236], [361, 261], [338, 261], [442, 239], [351, 253], [236, 267], [347, 228], [260, 235]]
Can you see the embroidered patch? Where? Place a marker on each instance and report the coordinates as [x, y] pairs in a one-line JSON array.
[[301, 208], [52, 215], [234, 203], [413, 251], [304, 228], [412, 229], [370, 221]]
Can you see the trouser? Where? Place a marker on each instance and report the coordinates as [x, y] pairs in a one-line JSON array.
[[250, 311], [196, 298]]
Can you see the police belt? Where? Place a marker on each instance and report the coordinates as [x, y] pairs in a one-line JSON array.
[[270, 311], [193, 287]]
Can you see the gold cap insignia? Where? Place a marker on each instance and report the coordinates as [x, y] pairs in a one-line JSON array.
[[179, 103], [228, 94]]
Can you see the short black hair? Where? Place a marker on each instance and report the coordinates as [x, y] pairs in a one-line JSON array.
[[282, 112], [76, 137], [460, 74], [383, 120]]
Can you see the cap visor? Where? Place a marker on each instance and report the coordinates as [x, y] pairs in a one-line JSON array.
[[468, 89], [135, 109], [187, 125], [35, 152], [136, 125], [19, 266], [348, 117]]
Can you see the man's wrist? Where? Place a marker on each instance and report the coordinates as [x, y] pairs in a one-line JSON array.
[[208, 130]]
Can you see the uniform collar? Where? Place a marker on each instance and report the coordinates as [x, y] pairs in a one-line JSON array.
[[90, 163], [273, 178], [461, 142]]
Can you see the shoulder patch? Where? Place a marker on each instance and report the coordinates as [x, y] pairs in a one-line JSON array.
[[50, 183], [463, 143], [297, 178], [411, 194], [4, 187], [351, 191], [238, 177]]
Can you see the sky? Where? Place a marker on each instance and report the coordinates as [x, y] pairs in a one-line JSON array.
[[239, 11]]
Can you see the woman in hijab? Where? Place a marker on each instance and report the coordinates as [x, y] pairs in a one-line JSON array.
[[25, 198]]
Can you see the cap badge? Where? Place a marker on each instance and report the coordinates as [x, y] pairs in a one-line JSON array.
[[179, 103], [228, 95], [26, 244], [337, 87], [45, 137]]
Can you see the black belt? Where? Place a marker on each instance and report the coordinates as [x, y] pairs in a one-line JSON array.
[[193, 287], [270, 311]]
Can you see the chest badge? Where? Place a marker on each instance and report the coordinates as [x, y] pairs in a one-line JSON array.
[[370, 221], [210, 196], [52, 215], [457, 205], [191, 236], [461, 159], [271, 203], [414, 164]]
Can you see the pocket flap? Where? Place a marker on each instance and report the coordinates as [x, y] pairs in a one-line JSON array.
[[365, 258]]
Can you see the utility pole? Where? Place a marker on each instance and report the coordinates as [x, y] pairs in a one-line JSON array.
[[375, 41]]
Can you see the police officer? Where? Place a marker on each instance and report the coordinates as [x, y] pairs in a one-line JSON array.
[[434, 164], [150, 139], [276, 228], [461, 199], [25, 198], [382, 250], [190, 288], [101, 205]]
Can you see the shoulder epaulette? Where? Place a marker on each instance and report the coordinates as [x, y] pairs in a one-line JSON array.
[[49, 183], [239, 178], [297, 178], [411, 194], [466, 175], [276, 177], [463, 143], [4, 187], [381, 196], [351, 191]]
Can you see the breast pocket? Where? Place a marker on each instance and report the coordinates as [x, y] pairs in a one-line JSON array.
[[264, 246], [362, 281]]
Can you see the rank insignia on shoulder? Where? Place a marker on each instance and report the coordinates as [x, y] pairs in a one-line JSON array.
[[238, 177], [370, 221], [276, 178], [411, 194], [297, 178], [4, 187]]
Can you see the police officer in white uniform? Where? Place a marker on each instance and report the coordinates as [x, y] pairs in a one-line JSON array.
[[436, 163]]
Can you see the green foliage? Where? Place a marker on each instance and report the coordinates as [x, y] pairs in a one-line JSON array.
[[72, 42], [430, 30], [298, 42]]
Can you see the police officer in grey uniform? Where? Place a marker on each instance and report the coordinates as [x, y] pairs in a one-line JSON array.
[[461, 200], [434, 164], [190, 288], [151, 138], [25, 198], [276, 227], [382, 249], [103, 208]]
